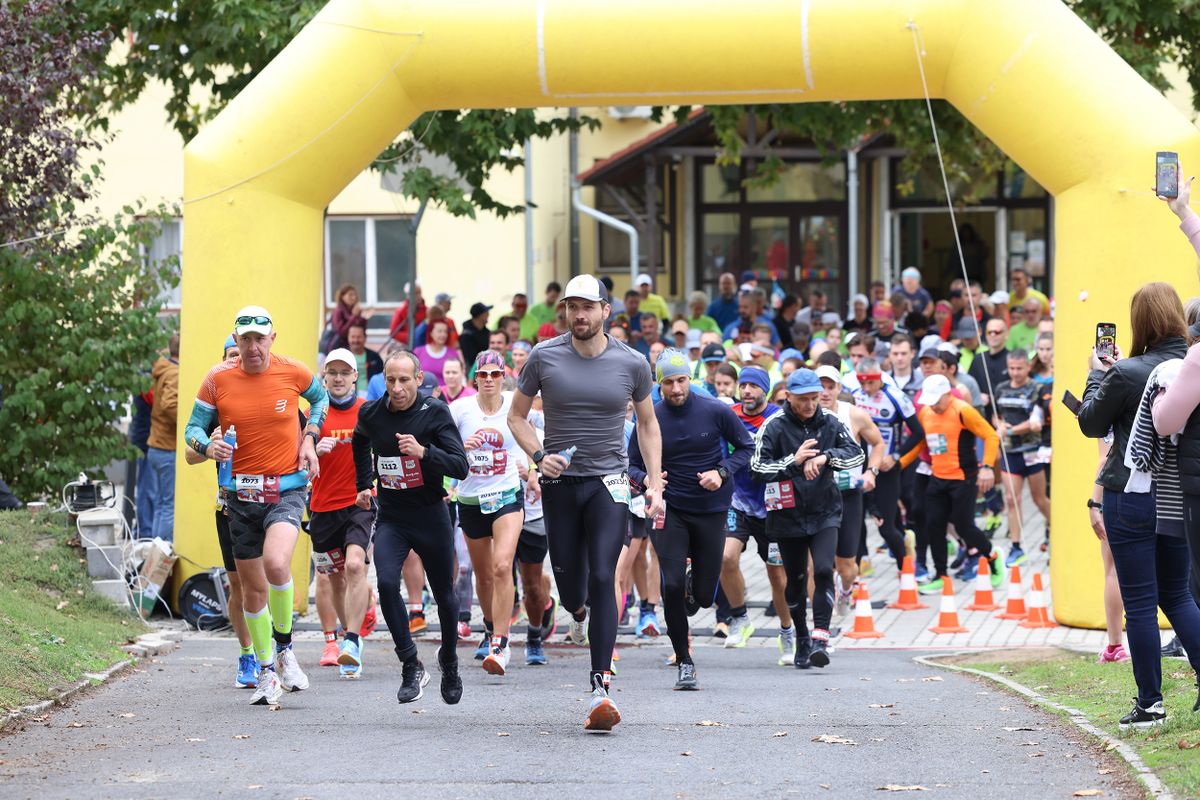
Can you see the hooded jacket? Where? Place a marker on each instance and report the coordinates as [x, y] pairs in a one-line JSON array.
[[163, 414]]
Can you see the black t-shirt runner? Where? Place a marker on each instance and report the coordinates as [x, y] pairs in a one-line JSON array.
[[1016, 405]]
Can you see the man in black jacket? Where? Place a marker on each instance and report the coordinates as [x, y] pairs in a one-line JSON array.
[[796, 454], [408, 440], [475, 336]]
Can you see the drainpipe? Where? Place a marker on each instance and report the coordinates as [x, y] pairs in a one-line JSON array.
[[528, 218], [612, 222], [852, 221], [573, 218]]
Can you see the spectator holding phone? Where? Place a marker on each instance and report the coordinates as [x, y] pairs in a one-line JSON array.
[[1151, 567]]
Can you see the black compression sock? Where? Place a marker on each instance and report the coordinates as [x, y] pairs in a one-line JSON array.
[[580, 616], [533, 634], [739, 611], [487, 626], [503, 642], [282, 639], [351, 637]]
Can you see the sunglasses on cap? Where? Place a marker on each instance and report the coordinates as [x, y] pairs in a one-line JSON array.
[[252, 321]]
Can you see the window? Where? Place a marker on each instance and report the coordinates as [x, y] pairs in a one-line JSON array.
[[169, 243], [375, 254], [614, 245]]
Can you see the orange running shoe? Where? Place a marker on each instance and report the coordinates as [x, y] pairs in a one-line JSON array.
[[417, 624], [329, 656], [369, 621]]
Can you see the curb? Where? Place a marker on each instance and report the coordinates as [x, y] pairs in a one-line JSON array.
[[1153, 784], [147, 645]]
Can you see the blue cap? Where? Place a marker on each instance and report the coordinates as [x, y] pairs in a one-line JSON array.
[[803, 381], [672, 362], [229, 342], [791, 352], [756, 376]]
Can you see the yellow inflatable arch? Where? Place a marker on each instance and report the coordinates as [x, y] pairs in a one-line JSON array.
[[1028, 73]]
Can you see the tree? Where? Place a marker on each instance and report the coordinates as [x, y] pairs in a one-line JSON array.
[[78, 323]]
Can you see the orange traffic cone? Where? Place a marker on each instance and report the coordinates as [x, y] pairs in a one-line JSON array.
[[864, 621], [983, 588], [909, 600], [1014, 607], [948, 614], [1039, 617]]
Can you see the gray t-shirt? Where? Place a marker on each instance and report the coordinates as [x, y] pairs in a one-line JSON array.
[[584, 400]]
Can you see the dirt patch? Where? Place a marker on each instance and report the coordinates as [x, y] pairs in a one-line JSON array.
[[1015, 655]]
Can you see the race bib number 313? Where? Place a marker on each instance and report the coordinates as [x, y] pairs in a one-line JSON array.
[[779, 495]]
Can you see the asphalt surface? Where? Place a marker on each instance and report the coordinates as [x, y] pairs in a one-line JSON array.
[[175, 727]]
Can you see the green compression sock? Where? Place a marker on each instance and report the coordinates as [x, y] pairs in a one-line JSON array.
[[259, 623], [280, 600]]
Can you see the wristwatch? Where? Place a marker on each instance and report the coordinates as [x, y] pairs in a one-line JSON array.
[[874, 471], [316, 437], [988, 466], [724, 473], [1093, 504], [538, 456]]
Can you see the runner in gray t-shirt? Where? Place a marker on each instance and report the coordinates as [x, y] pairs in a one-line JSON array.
[[586, 379]]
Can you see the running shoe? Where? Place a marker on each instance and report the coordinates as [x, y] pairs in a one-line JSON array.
[[603, 714], [485, 647], [910, 542], [577, 629], [845, 602], [329, 655], [1113, 654], [865, 568], [452, 685], [1141, 718], [930, 587], [497, 661], [268, 691], [291, 677], [922, 573], [1173, 649], [739, 632], [464, 630], [413, 682], [997, 576], [970, 569], [991, 524], [648, 625], [689, 597], [247, 674], [770, 611], [802, 659], [417, 624], [351, 654], [1015, 556], [721, 629], [535, 654], [370, 620], [787, 647], [956, 554], [818, 656], [550, 619], [686, 682]]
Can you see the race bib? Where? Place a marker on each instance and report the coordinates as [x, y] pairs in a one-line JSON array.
[[774, 559], [660, 519], [924, 468], [333, 561], [936, 442], [779, 495], [1033, 458], [400, 472], [487, 462], [637, 505], [257, 488], [1043, 455], [618, 486], [886, 434], [491, 502]]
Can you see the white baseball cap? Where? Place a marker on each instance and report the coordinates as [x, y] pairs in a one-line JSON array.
[[999, 296], [343, 355], [254, 314], [643, 280], [934, 388], [585, 287], [826, 371]]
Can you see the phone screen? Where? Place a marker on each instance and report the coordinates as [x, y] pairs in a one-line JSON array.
[[1166, 174], [1106, 339], [1071, 402]]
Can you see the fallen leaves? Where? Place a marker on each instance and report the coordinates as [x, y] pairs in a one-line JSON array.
[[241, 736], [882, 705], [62, 605], [708, 723], [932, 679], [503, 733], [686, 753], [895, 787], [1088, 793], [40, 718], [196, 739], [1186, 745], [1019, 728], [779, 734], [831, 739], [127, 715], [74, 724]]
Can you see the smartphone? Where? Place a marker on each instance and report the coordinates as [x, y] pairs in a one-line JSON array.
[[1106, 339], [1166, 174], [1071, 402]]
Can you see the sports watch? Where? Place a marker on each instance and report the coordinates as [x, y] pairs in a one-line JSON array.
[[538, 456]]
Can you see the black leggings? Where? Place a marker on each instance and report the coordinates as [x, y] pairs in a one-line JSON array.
[[585, 527], [700, 537], [795, 552], [427, 532], [887, 499], [952, 501], [852, 524], [916, 516]]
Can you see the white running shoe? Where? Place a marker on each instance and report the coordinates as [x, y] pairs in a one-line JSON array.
[[787, 647], [291, 677], [739, 632], [577, 629], [268, 691], [496, 662]]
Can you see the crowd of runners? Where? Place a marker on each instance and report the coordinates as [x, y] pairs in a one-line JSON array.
[[641, 453]]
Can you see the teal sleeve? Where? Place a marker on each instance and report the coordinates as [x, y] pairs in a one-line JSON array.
[[198, 426], [318, 403]]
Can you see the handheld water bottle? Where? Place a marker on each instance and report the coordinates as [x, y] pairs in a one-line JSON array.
[[568, 454], [225, 468]]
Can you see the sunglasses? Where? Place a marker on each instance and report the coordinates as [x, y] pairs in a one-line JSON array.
[[494, 375], [252, 321], [995, 333]]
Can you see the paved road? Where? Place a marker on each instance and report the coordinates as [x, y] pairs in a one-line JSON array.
[[169, 730]]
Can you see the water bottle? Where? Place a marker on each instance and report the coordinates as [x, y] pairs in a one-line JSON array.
[[568, 454], [225, 468]]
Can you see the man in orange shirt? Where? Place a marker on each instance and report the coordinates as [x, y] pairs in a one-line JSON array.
[[258, 396], [951, 426]]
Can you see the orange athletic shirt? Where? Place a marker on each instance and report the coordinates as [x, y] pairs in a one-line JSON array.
[[263, 410], [334, 488], [950, 440]]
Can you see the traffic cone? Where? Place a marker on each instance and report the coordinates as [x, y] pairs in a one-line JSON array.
[[864, 620], [1015, 605], [1038, 617], [948, 614], [909, 600], [983, 588]]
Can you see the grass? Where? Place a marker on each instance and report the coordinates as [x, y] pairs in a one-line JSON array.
[[1105, 692], [55, 626]]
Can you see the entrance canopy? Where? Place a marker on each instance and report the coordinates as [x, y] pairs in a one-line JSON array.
[[1028, 73]]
